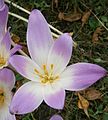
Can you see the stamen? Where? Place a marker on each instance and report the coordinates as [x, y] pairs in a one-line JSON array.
[[51, 70], [52, 66], [47, 76], [43, 81], [36, 71], [45, 69], [57, 77]]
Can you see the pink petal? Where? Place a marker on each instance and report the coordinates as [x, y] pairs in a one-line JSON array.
[[15, 49], [11, 117], [7, 77], [1, 4], [56, 117], [5, 114], [27, 98], [60, 53], [6, 42], [5, 49], [25, 66], [51, 93], [3, 21], [39, 39], [80, 76]]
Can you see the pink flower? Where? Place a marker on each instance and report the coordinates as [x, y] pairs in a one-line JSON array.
[[7, 81], [56, 117], [5, 40], [47, 69]]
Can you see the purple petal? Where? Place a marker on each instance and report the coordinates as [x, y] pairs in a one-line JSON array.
[[27, 98], [5, 50], [11, 117], [1, 4], [6, 42], [3, 21], [80, 76], [25, 66], [51, 93], [56, 117], [60, 53], [39, 38], [15, 49], [7, 77], [5, 114]]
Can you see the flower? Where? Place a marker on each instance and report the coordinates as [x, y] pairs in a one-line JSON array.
[[5, 39], [7, 81], [47, 69], [56, 117], [3, 18]]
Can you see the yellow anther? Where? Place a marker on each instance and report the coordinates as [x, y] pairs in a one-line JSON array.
[[56, 77], [51, 70], [43, 81], [52, 66], [39, 74], [36, 71], [45, 69]]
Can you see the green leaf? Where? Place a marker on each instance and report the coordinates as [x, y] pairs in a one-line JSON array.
[[18, 77], [105, 116], [104, 19], [93, 23], [27, 117], [99, 60]]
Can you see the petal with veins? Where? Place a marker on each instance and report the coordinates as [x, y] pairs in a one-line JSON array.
[[5, 114], [6, 42], [27, 98], [3, 21], [80, 76], [11, 117], [1, 4], [56, 117], [5, 50], [7, 77], [15, 49], [54, 95], [39, 38], [60, 53], [25, 66]]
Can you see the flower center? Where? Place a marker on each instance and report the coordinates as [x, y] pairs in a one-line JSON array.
[[47, 76], [2, 97], [2, 61]]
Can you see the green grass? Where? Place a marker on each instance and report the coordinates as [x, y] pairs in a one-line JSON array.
[[86, 51]]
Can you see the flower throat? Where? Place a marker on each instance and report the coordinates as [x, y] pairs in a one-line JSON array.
[[47, 76]]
